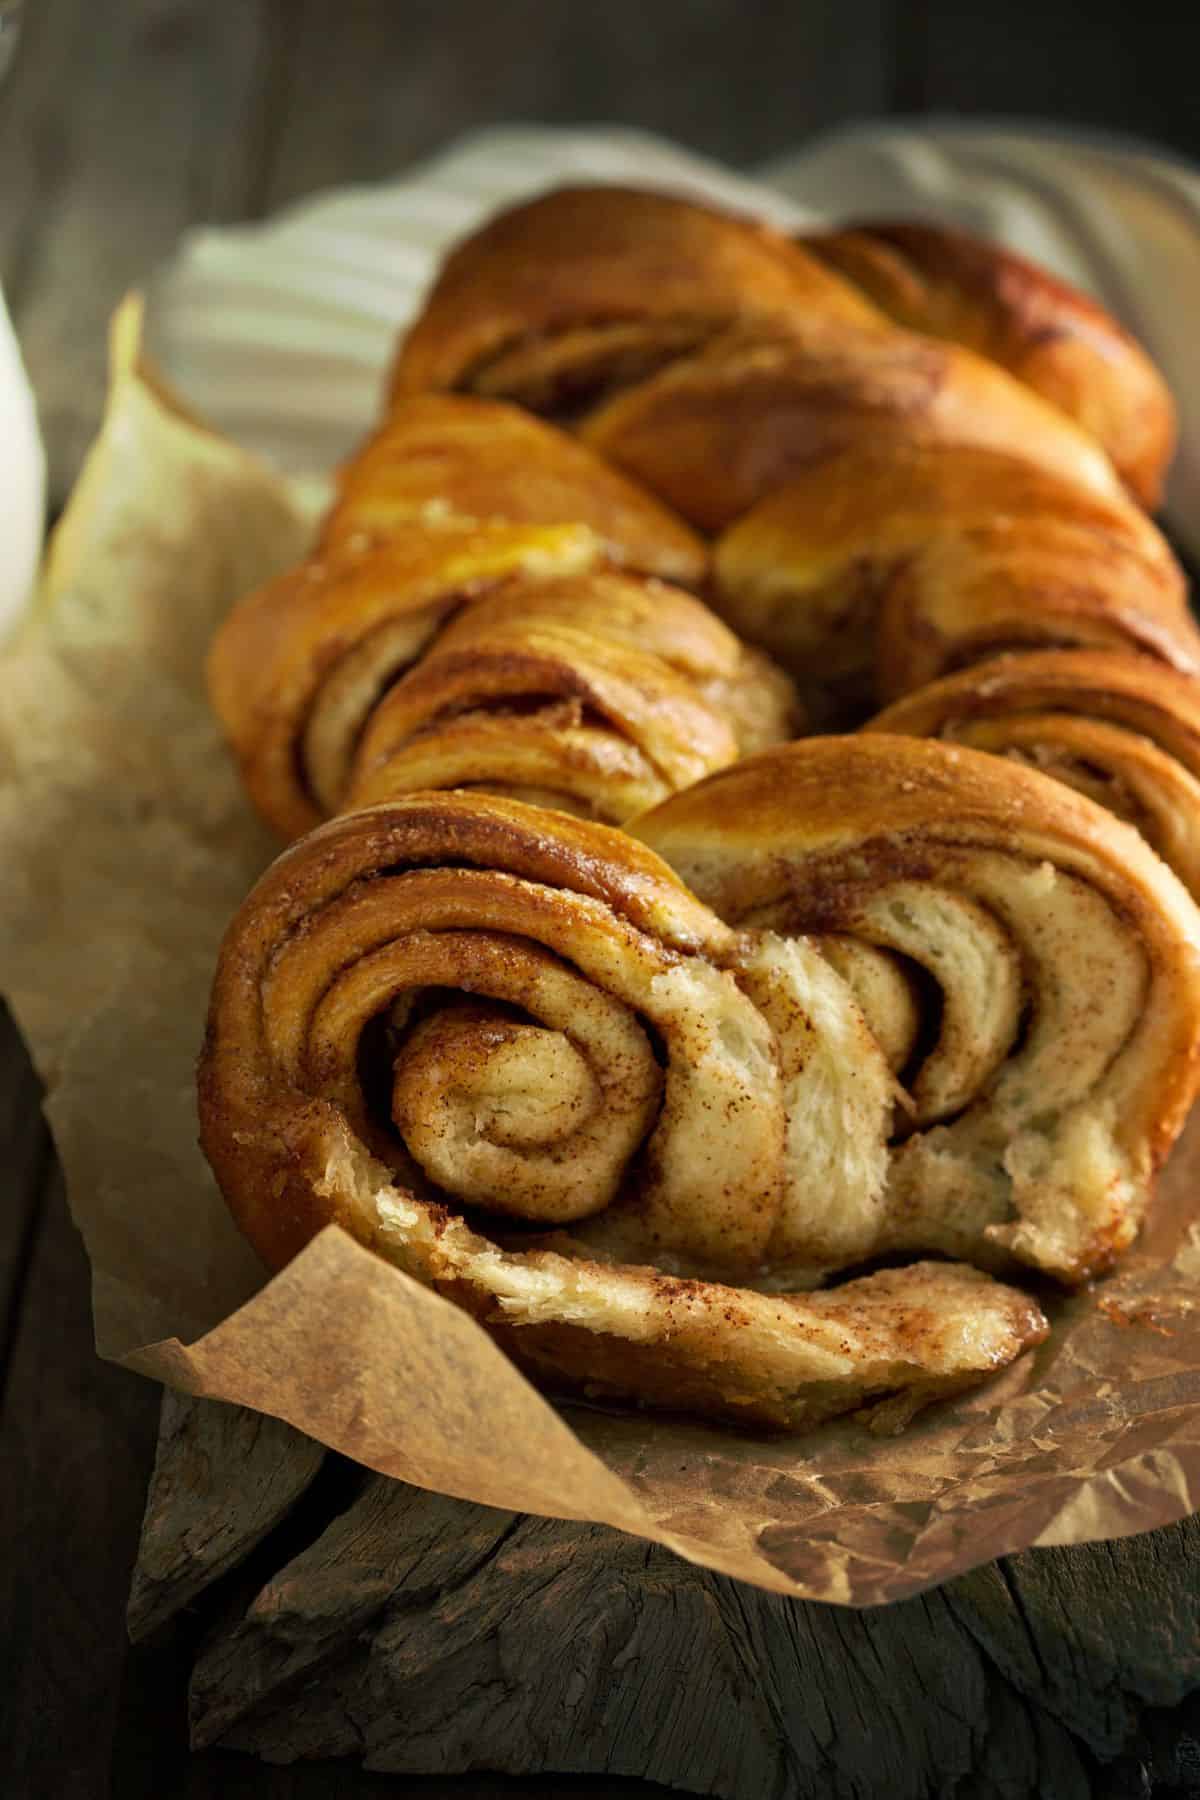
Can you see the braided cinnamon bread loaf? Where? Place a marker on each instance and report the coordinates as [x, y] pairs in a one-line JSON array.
[[941, 1005]]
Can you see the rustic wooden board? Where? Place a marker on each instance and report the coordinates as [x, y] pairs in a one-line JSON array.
[[191, 1535], [26, 1150], [120, 125], [424, 1635]]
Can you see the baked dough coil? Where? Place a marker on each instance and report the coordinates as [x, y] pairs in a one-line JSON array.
[[487, 607], [599, 697], [1053, 968], [441, 458], [1049, 335], [886, 503], [881, 568], [510, 1052], [1122, 729]]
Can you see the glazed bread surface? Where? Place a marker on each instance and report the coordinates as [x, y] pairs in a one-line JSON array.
[[1046, 333], [897, 476], [588, 679]]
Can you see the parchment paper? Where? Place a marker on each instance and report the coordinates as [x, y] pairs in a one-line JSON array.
[[127, 845]]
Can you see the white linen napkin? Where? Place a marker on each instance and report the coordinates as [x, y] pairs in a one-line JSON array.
[[279, 333]]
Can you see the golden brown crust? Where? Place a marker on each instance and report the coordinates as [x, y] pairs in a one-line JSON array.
[[454, 498], [663, 274], [716, 432], [880, 567], [452, 456], [1049, 335], [1123, 729], [705, 355]]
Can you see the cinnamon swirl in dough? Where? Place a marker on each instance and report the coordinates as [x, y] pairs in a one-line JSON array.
[[507, 1050], [599, 696], [1058, 959], [1123, 729], [586, 681]]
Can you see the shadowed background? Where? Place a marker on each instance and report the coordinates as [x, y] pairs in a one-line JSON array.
[[121, 123]]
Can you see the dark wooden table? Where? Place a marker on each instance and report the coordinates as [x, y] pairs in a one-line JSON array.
[[123, 121]]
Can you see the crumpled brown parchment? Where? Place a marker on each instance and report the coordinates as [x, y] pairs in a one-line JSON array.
[[126, 846]]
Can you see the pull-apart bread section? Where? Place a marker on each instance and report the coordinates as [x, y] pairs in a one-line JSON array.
[[1046, 1001], [510, 1052]]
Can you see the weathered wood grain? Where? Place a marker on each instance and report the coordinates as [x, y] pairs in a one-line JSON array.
[[24, 1151], [321, 1606], [738, 83], [122, 122], [76, 1437], [191, 1533], [423, 1635]]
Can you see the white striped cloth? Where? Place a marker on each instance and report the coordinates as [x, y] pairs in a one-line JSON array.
[[279, 333]]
